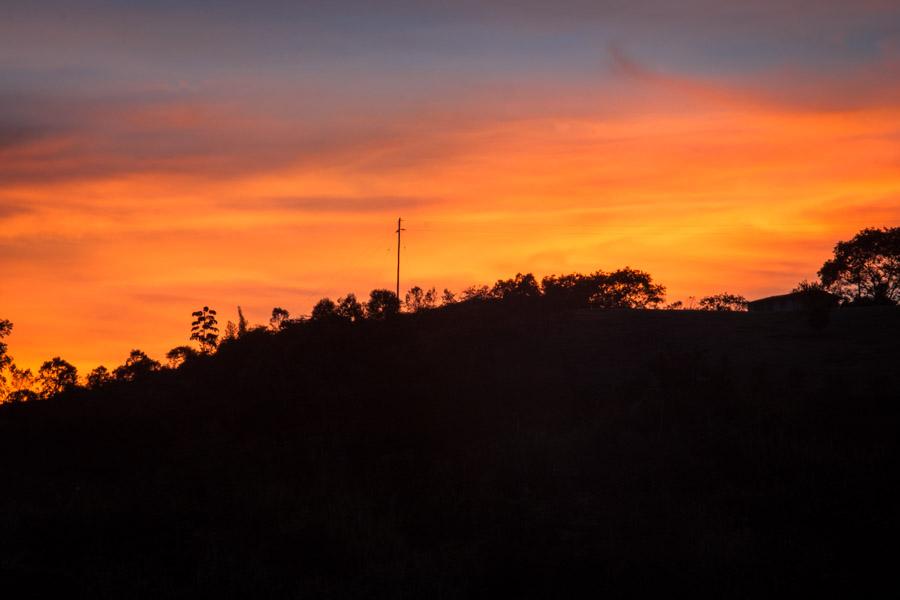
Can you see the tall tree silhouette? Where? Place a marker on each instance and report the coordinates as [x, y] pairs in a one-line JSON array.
[[56, 376], [205, 329], [242, 325], [866, 269]]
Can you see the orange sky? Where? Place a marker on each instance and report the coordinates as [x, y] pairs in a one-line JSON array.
[[121, 217]]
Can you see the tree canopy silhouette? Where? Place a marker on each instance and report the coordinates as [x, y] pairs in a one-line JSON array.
[[520, 287], [179, 355], [137, 366], [382, 305], [98, 377], [866, 269], [15, 383], [349, 309], [324, 310], [623, 288], [723, 302], [56, 376]]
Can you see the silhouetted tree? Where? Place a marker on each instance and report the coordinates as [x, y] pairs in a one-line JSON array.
[[382, 304], [627, 288], [280, 319], [866, 269], [99, 377], [448, 297], [56, 376], [5, 360], [677, 305], [349, 309], [242, 325], [324, 310], [569, 291], [136, 366], [19, 381], [179, 355], [418, 299], [474, 292], [521, 287], [723, 303], [230, 332], [205, 329], [624, 288]]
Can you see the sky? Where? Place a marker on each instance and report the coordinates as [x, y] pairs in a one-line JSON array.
[[156, 157]]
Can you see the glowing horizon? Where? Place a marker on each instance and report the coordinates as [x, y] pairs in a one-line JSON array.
[[155, 158]]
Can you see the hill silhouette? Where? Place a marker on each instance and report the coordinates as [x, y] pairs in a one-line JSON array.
[[481, 449]]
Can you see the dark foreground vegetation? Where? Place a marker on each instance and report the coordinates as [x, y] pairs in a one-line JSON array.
[[481, 449]]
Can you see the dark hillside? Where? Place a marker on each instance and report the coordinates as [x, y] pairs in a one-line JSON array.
[[476, 450]]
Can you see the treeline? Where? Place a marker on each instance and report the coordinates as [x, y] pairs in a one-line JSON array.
[[864, 271], [625, 288]]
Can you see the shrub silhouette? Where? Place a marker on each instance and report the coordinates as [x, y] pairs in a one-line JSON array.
[[817, 303], [22, 395], [723, 303]]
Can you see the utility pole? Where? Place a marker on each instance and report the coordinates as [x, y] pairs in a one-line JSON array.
[[399, 229]]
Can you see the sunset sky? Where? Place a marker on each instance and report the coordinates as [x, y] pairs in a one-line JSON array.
[[159, 156]]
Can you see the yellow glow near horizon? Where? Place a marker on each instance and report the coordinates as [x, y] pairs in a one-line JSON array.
[[748, 199]]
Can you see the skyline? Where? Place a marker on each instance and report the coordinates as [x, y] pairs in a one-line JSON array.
[[158, 158]]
